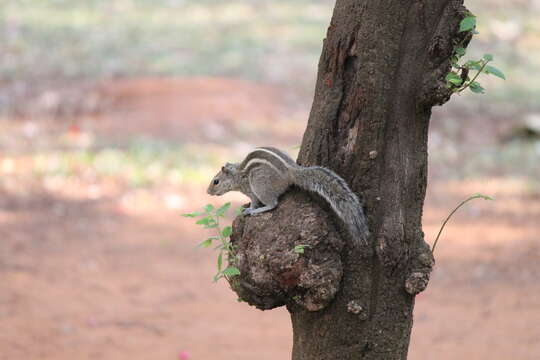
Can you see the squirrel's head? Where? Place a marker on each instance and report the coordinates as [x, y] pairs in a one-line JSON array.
[[226, 180]]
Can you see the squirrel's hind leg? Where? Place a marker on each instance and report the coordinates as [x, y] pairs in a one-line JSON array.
[[255, 203], [251, 211]]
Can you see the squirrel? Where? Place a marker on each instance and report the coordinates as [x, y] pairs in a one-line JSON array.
[[267, 172]]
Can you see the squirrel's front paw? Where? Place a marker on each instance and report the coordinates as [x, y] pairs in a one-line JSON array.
[[247, 211]]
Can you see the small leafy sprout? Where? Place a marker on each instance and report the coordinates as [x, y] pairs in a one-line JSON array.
[[472, 197], [299, 249], [468, 23], [458, 78], [210, 220]]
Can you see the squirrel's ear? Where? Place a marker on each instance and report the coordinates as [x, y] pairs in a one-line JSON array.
[[229, 168], [225, 170]]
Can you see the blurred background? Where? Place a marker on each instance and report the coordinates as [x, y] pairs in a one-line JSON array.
[[114, 115]]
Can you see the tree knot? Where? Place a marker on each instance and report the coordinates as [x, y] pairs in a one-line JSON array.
[[293, 256]]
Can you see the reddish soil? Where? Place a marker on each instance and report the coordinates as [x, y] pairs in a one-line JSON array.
[[198, 109], [84, 276]]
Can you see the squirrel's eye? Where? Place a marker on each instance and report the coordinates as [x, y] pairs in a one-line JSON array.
[[216, 182]]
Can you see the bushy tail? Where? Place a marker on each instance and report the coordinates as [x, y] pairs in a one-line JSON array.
[[337, 193]]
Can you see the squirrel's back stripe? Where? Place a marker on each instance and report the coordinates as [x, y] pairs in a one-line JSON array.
[[284, 156], [254, 162], [266, 156]]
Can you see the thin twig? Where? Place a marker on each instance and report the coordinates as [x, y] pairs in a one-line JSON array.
[[474, 78], [476, 196]]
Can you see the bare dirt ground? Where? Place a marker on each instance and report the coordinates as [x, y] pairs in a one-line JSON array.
[[86, 275]]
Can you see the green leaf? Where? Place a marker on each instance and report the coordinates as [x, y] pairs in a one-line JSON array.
[[193, 214], [208, 208], [476, 87], [222, 210], [218, 276], [467, 24], [488, 69], [206, 243], [471, 64], [227, 231], [300, 248], [454, 78], [231, 271], [488, 57], [205, 221], [219, 261], [460, 51]]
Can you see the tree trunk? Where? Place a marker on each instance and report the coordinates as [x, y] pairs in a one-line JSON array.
[[382, 68]]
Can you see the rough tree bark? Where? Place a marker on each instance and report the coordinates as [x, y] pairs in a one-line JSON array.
[[381, 70]]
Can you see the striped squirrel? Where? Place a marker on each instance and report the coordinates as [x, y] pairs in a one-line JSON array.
[[267, 172]]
